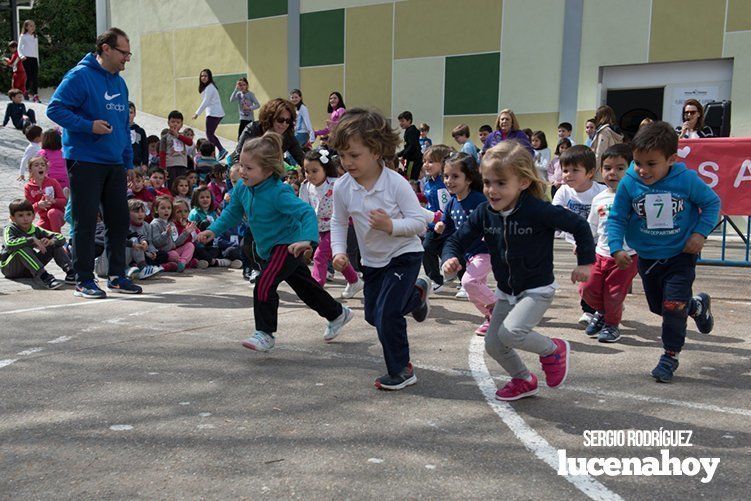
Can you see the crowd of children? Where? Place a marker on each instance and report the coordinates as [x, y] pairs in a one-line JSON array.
[[351, 207]]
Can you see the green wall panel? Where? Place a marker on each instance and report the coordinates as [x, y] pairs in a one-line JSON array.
[[266, 8], [471, 84], [226, 84], [322, 38]]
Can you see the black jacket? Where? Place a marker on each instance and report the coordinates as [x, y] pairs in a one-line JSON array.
[[254, 129], [521, 244], [411, 151], [140, 146]]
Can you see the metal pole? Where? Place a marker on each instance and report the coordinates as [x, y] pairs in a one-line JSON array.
[[293, 44], [102, 16], [14, 19]]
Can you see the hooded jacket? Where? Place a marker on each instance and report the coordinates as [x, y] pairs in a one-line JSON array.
[[688, 194], [521, 243], [276, 216], [87, 93]]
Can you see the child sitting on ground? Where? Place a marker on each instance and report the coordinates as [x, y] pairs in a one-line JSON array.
[[157, 178], [167, 240], [217, 183], [138, 190], [606, 289], [153, 152], [46, 196], [52, 150], [180, 188], [139, 242], [665, 212], [17, 113], [33, 134], [206, 161], [28, 248]]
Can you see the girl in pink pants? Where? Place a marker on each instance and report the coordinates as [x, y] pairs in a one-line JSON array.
[[462, 178], [321, 170]]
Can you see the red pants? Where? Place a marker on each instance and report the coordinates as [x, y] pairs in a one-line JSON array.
[[19, 80], [51, 220], [607, 287]]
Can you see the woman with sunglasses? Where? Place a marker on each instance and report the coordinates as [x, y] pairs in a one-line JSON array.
[[278, 115], [693, 121]]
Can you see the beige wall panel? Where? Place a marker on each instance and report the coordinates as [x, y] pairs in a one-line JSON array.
[[317, 83], [445, 27], [368, 37], [671, 22], [156, 58], [418, 87], [222, 49], [267, 57]]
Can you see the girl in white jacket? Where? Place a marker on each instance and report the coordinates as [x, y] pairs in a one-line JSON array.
[[212, 103]]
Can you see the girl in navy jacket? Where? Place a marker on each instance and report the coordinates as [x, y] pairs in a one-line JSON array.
[[519, 226]]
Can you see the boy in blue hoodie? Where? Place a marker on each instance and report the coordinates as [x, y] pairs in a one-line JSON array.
[[656, 209]]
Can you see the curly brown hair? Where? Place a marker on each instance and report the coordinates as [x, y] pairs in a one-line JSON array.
[[370, 126], [273, 109]]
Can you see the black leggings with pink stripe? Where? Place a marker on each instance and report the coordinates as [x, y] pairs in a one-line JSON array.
[[284, 267], [211, 124]]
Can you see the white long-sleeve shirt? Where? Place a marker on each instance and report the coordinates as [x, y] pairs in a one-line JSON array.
[[32, 150], [393, 194], [28, 46], [211, 102], [304, 125]]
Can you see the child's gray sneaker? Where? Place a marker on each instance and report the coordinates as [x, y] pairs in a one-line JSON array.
[[609, 334], [260, 341], [335, 326]]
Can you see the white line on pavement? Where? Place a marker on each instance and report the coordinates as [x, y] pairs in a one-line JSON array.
[[7, 362], [532, 440]]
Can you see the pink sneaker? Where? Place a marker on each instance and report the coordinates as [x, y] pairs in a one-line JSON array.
[[516, 389], [483, 329], [556, 365]]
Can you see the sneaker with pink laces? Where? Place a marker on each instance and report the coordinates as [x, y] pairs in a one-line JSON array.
[[555, 365], [483, 329], [516, 389]]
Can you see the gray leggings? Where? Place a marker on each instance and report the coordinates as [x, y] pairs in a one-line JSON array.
[[511, 328]]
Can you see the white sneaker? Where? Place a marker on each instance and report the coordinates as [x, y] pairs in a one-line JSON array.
[[351, 289], [335, 326], [132, 272], [202, 264], [254, 276], [223, 263], [436, 287], [260, 341], [462, 294], [236, 264], [149, 271], [585, 319]]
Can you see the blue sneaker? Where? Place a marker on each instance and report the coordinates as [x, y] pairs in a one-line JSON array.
[[423, 309], [595, 324], [704, 320], [123, 286], [667, 365], [90, 290]]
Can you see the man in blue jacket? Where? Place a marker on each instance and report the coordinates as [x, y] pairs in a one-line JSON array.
[[91, 104]]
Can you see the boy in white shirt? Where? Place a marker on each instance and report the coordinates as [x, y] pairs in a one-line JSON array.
[[578, 165], [608, 285], [34, 135], [387, 219]]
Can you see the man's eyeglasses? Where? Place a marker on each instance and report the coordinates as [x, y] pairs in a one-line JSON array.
[[281, 120], [123, 52]]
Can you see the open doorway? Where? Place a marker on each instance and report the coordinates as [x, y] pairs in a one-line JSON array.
[[631, 106]]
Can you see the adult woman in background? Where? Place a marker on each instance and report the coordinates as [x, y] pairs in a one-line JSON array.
[[693, 121], [212, 103], [277, 115], [506, 128], [605, 135]]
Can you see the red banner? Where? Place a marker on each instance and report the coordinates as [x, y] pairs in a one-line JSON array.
[[724, 163]]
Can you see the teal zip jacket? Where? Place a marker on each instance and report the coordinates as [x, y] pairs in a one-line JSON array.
[[276, 216], [682, 194]]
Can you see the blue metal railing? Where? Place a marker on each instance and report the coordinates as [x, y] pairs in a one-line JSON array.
[[730, 254]]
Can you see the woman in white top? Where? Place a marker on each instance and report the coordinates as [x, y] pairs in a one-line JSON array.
[[28, 49], [304, 132], [212, 103]]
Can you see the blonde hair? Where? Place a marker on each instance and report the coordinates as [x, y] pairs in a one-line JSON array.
[[267, 151], [370, 126], [438, 153], [175, 203], [36, 160], [511, 158], [514, 120]]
